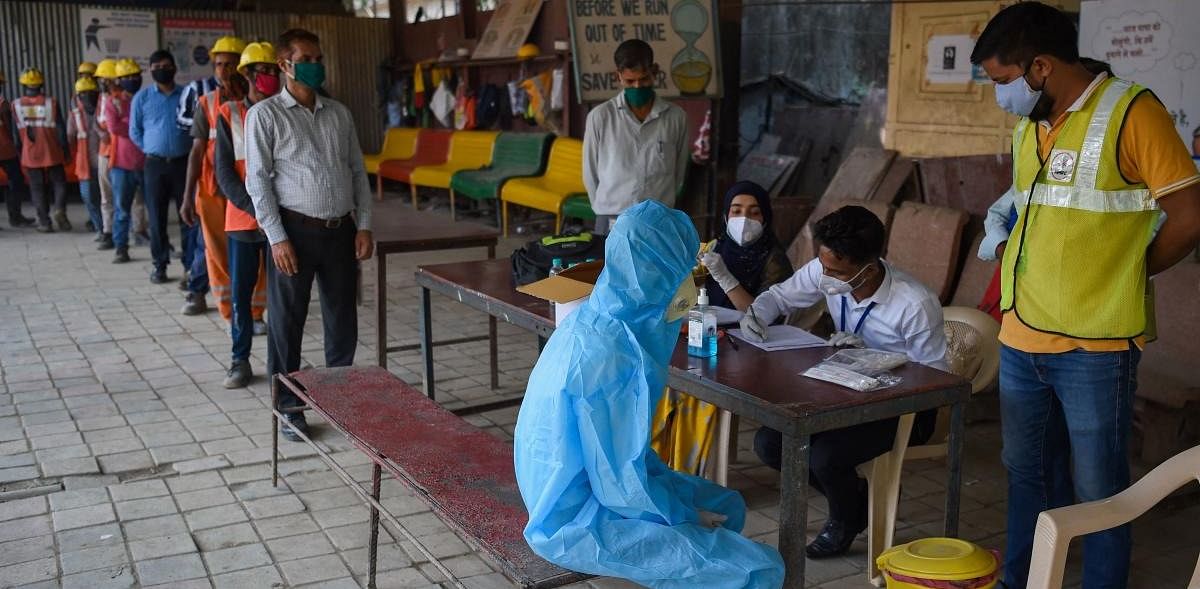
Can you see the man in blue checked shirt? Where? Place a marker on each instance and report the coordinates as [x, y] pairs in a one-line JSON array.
[[153, 128]]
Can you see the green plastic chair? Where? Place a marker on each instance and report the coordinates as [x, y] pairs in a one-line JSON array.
[[515, 155], [578, 207]]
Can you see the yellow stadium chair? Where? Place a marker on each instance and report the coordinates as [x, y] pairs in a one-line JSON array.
[[469, 150], [398, 144], [563, 179]]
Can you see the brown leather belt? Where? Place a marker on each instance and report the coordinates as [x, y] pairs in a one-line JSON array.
[[315, 222]]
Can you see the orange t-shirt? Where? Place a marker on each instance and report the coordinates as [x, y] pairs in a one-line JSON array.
[[1150, 153]]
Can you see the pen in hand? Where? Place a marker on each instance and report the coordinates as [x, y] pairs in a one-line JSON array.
[[731, 340]]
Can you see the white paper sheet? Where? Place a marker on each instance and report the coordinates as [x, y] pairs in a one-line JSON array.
[[726, 316], [783, 337]]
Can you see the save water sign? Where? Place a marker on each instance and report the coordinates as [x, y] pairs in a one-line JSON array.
[[683, 34]]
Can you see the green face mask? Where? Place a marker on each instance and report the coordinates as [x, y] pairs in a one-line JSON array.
[[310, 74], [639, 97]]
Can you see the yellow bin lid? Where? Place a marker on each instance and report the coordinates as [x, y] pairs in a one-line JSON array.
[[942, 559]]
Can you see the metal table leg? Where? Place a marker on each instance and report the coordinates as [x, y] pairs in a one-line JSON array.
[[274, 431], [425, 324], [793, 509], [373, 550], [381, 351], [958, 420], [493, 342]]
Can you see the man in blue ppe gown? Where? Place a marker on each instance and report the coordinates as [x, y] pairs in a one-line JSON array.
[[600, 500]]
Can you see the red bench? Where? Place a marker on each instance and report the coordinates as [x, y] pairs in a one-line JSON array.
[[433, 149], [463, 473]]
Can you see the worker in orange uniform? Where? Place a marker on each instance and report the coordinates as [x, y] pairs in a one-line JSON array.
[[10, 163], [106, 80], [247, 243], [82, 129], [202, 200], [43, 138]]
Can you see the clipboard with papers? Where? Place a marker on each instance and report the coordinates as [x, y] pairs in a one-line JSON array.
[[783, 337]]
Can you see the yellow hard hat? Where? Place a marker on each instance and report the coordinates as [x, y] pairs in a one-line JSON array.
[[256, 53], [528, 50], [127, 67], [32, 77], [85, 85], [106, 69], [86, 67], [228, 45]]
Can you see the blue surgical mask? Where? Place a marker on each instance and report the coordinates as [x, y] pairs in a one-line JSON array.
[[1017, 96]]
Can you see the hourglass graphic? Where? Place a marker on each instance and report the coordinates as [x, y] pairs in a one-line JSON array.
[[691, 68]]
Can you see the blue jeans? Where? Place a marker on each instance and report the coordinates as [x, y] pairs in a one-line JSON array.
[[89, 191], [124, 185], [244, 260], [1059, 409], [198, 268]]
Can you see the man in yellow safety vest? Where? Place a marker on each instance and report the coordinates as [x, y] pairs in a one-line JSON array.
[[1096, 161]]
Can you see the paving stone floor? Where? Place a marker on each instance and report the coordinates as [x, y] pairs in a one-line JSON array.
[[113, 400]]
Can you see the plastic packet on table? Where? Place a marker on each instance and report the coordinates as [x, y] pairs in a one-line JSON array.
[[861, 370]]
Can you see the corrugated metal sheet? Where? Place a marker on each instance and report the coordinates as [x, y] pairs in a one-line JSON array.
[[46, 35], [42, 35]]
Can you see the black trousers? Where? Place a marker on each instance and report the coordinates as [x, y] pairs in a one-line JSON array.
[[163, 182], [328, 256], [16, 188], [56, 177], [834, 455]]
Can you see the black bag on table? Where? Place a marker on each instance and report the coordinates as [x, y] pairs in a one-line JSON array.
[[532, 262]]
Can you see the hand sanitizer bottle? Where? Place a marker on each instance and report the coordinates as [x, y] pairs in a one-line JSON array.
[[702, 329]]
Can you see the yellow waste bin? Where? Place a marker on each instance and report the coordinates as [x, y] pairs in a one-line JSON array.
[[939, 563]]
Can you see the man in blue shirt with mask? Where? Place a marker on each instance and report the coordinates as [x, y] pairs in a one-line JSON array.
[[153, 128]]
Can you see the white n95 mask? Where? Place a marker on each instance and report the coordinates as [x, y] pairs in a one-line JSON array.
[[833, 286], [743, 230], [683, 301]]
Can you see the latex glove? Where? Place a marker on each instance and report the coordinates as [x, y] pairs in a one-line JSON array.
[[716, 268], [845, 339], [752, 327], [709, 519]]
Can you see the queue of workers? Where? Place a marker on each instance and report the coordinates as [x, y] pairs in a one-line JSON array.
[[264, 169], [1106, 196]]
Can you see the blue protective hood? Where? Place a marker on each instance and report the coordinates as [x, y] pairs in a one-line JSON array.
[[600, 500]]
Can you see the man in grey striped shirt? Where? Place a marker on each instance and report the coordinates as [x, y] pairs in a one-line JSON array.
[[304, 172]]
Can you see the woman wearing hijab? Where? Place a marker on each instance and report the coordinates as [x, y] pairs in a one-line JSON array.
[[747, 258], [599, 500]]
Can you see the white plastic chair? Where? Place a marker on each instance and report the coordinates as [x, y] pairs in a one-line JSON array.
[[1057, 527], [973, 352]]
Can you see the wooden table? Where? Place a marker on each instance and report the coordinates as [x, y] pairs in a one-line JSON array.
[[399, 229], [766, 387]]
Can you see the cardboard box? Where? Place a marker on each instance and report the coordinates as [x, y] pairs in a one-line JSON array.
[[567, 290]]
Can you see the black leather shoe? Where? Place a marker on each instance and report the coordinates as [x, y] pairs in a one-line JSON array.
[[297, 421], [159, 277], [834, 540]]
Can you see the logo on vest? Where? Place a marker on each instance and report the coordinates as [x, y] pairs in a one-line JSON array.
[[1062, 165]]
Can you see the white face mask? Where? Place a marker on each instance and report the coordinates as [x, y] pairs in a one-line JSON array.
[[1017, 97], [683, 301], [743, 230], [833, 286]]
